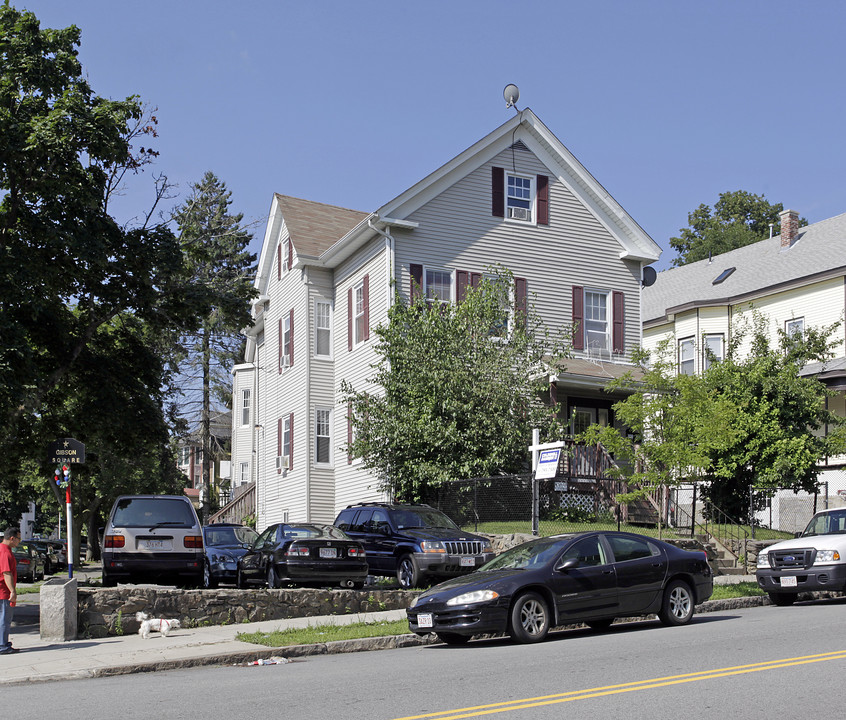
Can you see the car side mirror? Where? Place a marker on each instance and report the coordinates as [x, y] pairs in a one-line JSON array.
[[568, 564]]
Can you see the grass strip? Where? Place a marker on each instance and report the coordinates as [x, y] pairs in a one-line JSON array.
[[743, 589], [325, 633]]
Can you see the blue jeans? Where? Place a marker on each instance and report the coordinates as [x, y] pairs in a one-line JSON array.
[[6, 613]]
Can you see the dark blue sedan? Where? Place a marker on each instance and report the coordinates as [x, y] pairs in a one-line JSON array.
[[224, 544], [589, 578]]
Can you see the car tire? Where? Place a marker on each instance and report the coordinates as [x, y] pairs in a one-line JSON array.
[[408, 574], [449, 638], [208, 581], [108, 580], [272, 577], [677, 606], [782, 599], [358, 585], [530, 620], [239, 580], [603, 624]]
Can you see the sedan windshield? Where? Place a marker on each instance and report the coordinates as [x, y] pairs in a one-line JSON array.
[[528, 555]]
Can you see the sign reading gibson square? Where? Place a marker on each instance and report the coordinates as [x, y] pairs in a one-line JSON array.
[[67, 451]]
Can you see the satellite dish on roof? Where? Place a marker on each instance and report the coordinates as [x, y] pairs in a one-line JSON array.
[[649, 276], [511, 95]]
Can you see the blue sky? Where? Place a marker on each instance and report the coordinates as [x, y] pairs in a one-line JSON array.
[[667, 104]]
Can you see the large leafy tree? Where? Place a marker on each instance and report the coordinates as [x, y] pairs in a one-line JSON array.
[[218, 259], [78, 290], [667, 428], [456, 392], [738, 218], [783, 428]]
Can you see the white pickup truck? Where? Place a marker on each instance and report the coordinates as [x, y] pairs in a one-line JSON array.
[[815, 560]]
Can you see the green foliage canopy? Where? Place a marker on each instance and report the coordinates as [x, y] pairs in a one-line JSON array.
[[738, 218], [456, 391]]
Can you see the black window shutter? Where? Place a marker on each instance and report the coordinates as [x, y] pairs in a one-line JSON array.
[[349, 319], [281, 346], [366, 292], [279, 442], [497, 192], [416, 273], [520, 301], [619, 334], [279, 261], [461, 285], [291, 441], [291, 338], [543, 200], [578, 317]]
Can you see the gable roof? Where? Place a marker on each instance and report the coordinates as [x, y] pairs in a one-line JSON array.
[[314, 227], [527, 128], [760, 268]]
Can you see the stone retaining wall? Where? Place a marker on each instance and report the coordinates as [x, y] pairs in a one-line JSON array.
[[111, 611]]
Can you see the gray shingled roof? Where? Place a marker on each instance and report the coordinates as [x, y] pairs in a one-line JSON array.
[[314, 227], [820, 249]]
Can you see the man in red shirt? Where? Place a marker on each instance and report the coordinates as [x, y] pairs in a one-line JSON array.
[[8, 583]]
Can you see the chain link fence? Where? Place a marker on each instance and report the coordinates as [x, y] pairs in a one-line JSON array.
[[503, 505]]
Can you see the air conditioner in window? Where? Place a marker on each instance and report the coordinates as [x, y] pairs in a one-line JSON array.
[[282, 462], [518, 213], [284, 361]]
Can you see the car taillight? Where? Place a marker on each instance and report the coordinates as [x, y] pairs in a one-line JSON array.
[[114, 541], [23, 561], [193, 541], [297, 551], [356, 552]]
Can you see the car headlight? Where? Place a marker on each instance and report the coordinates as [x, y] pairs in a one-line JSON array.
[[826, 556], [432, 546], [763, 560], [476, 596], [487, 547], [414, 602]]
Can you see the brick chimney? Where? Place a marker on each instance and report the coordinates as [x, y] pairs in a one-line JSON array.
[[789, 227]]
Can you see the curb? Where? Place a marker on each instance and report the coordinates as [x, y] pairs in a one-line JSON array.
[[389, 642]]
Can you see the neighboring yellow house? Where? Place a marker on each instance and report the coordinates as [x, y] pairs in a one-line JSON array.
[[797, 280]]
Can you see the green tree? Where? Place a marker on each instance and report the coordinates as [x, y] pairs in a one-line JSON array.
[[456, 391], [738, 218], [783, 428], [81, 295], [667, 427], [218, 259]]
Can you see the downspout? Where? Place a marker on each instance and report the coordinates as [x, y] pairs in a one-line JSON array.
[[389, 251], [307, 283]]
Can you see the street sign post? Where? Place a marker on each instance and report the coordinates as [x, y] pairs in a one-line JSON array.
[[67, 452]]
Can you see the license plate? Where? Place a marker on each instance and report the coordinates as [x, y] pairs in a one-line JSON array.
[[788, 581], [328, 553], [467, 562], [154, 544], [425, 620]]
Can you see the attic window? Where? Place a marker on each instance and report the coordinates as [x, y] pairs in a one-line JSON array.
[[723, 275]]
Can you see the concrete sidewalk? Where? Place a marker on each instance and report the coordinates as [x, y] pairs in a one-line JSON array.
[[41, 660]]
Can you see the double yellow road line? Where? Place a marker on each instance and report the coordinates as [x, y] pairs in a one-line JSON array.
[[525, 703]]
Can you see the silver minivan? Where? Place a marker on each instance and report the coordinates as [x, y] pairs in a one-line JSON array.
[[153, 538]]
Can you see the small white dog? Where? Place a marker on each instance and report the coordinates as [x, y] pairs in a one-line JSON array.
[[149, 625]]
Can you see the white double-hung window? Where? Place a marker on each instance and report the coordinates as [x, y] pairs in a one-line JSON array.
[[712, 350], [687, 357], [322, 328], [519, 197], [245, 406], [323, 436], [438, 286], [597, 327]]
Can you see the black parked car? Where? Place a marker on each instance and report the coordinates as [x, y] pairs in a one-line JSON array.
[[30, 562], [303, 554], [224, 544], [413, 542], [590, 578], [52, 561]]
